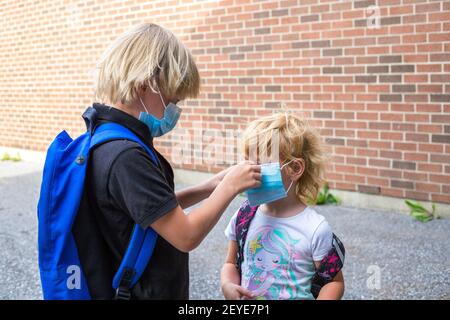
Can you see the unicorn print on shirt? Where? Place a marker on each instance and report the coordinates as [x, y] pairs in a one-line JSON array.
[[271, 255]]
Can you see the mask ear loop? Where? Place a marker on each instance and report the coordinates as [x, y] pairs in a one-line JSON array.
[[292, 181], [160, 96], [143, 104], [289, 188]]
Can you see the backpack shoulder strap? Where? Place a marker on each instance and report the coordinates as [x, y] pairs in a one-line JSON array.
[[113, 131], [244, 217], [329, 267], [143, 241]]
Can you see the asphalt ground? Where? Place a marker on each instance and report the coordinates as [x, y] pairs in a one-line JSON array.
[[388, 255]]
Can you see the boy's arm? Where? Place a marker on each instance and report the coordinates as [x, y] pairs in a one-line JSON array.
[[193, 195], [186, 231], [333, 290]]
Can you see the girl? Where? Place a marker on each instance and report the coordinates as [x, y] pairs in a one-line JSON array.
[[286, 239]]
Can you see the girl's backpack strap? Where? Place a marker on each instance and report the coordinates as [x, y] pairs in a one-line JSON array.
[[329, 267], [244, 217]]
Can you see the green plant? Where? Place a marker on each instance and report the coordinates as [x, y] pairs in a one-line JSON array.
[[419, 212], [325, 197], [7, 157]]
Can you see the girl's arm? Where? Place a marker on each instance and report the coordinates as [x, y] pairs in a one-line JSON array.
[[333, 290], [230, 278], [193, 195]]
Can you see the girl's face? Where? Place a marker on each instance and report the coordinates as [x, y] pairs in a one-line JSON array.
[[266, 261]]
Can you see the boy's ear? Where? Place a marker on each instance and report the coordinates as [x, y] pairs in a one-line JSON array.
[[297, 168]]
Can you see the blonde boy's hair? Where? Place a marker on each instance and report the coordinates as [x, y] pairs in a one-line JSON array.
[[146, 56], [296, 139]]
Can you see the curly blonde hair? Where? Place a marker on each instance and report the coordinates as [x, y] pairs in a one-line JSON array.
[[294, 138]]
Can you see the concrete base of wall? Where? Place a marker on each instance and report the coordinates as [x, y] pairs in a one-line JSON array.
[[351, 199], [37, 157], [189, 177]]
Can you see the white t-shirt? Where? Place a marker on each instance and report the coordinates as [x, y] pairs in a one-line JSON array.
[[279, 253]]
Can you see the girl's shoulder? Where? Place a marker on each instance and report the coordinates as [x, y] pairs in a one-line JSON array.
[[312, 216], [312, 222]]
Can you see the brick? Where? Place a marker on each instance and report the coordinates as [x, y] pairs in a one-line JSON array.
[[301, 45], [336, 141], [390, 97], [402, 68], [332, 70], [246, 80], [402, 184], [390, 59], [391, 78], [440, 98], [309, 18], [363, 4], [377, 69], [440, 138], [262, 31], [214, 95], [261, 15], [320, 43], [369, 189], [365, 79], [406, 165], [237, 56], [360, 23], [246, 48], [404, 88], [390, 20], [440, 57], [273, 88], [279, 13], [332, 52], [263, 47], [323, 114]]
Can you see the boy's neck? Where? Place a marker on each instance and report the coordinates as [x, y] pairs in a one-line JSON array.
[[285, 207]]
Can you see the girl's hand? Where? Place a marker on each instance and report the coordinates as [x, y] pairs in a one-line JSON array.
[[232, 291], [243, 176]]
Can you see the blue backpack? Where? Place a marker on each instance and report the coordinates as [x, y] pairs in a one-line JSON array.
[[62, 188]]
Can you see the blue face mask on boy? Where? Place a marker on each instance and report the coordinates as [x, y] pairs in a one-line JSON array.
[[158, 127], [271, 187]]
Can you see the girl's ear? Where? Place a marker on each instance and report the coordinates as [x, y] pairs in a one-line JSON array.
[[297, 168]]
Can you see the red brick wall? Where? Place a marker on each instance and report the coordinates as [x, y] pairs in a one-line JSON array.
[[380, 95]]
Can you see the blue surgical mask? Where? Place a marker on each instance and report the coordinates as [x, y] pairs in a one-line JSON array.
[[271, 187], [158, 127]]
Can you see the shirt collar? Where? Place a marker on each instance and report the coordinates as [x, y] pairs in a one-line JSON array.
[[106, 113]]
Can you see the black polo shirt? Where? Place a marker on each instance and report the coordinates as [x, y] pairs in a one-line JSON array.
[[124, 187]]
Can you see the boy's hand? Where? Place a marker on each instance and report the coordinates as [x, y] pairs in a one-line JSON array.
[[232, 291], [243, 176]]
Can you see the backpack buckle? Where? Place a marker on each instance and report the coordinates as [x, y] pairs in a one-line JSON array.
[[123, 293], [123, 290]]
